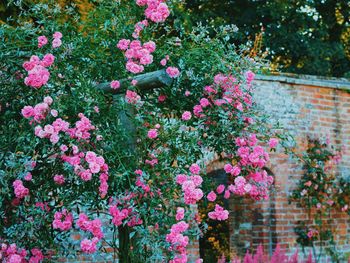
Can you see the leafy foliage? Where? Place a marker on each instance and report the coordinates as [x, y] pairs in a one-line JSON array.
[[72, 156], [307, 37]]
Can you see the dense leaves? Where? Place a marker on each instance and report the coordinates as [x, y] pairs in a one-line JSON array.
[[73, 157], [307, 37]]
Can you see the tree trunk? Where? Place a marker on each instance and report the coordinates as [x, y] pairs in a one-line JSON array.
[[124, 244]]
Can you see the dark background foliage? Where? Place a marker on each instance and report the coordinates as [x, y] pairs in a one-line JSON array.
[[301, 36], [304, 36]]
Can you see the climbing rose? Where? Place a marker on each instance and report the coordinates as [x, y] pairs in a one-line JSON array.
[[56, 43], [180, 213], [219, 213], [63, 220], [42, 41], [115, 84], [132, 97], [57, 35], [157, 11], [89, 246], [220, 189], [211, 196], [28, 177], [173, 72], [20, 190], [37, 77], [195, 169], [273, 142], [152, 133], [123, 44], [59, 179], [186, 115]]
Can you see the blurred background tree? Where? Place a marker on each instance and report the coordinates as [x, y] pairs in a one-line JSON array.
[[301, 36]]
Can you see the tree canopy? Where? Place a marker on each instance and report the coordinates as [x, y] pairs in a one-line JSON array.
[[307, 37]]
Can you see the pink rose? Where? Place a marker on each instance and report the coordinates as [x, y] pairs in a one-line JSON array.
[[152, 133], [186, 116]]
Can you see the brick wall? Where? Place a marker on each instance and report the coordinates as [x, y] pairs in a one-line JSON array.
[[305, 107]]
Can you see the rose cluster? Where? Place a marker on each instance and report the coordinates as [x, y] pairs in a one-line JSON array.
[[137, 55], [38, 75], [178, 241], [156, 11]]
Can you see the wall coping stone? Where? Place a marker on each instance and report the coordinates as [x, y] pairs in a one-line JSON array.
[[310, 80]]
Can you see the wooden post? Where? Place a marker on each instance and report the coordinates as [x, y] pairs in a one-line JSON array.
[[147, 81]]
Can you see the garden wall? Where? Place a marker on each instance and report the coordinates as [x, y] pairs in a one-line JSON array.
[[306, 107]]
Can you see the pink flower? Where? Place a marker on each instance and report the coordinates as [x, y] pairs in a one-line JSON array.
[[42, 41], [134, 82], [132, 97], [59, 179], [57, 35], [27, 112], [180, 213], [37, 77], [115, 84], [28, 177], [308, 183], [219, 213], [150, 46], [273, 142], [133, 67], [14, 258], [118, 215], [204, 102], [152, 133], [187, 93], [19, 189], [195, 169], [211, 196], [56, 43], [123, 44], [186, 115], [157, 11], [54, 113], [173, 72], [48, 100], [47, 60], [249, 76], [181, 178], [86, 175], [94, 168], [89, 246], [227, 194], [220, 189], [163, 62], [345, 208], [161, 98], [63, 220]]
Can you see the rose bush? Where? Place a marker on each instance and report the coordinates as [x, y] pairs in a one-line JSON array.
[[73, 157], [320, 192]]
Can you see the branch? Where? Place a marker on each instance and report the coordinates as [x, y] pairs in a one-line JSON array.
[[147, 81]]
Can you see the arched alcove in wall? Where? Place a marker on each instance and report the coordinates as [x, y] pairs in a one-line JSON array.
[[250, 223], [216, 240]]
